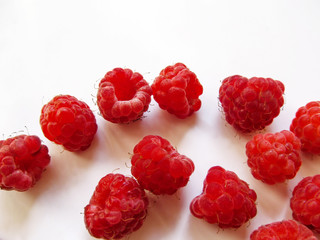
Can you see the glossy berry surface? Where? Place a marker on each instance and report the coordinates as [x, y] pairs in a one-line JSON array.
[[250, 104], [226, 200], [117, 207], [274, 157], [22, 161], [284, 230], [177, 90], [306, 126], [68, 121], [123, 96], [158, 167]]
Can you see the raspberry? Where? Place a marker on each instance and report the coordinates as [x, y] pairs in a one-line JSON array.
[[177, 90], [123, 96], [22, 160], [158, 167], [305, 202], [250, 104], [306, 126], [117, 207], [284, 230], [68, 121], [273, 158], [225, 200]]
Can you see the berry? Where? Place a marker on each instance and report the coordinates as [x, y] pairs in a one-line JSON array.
[[250, 104], [22, 160], [117, 207], [306, 126], [177, 90], [68, 121], [305, 202], [123, 96], [225, 200], [158, 167], [284, 230], [274, 158]]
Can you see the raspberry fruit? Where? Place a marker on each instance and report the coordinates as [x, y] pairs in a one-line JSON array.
[[305, 202], [177, 90], [250, 104], [68, 121], [225, 200], [158, 167], [117, 207], [22, 160], [284, 230], [123, 96], [274, 158], [306, 126]]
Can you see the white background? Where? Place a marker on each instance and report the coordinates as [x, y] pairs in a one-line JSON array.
[[65, 47]]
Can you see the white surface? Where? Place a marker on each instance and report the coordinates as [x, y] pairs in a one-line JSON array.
[[65, 47]]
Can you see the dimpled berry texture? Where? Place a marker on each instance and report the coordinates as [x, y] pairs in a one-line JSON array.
[[226, 200], [68, 121], [123, 96], [274, 157], [117, 207], [177, 90], [305, 202], [306, 126], [250, 104], [22, 161], [284, 230], [158, 167]]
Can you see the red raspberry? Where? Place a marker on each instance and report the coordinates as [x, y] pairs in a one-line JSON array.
[[123, 96], [305, 202], [158, 167], [177, 90], [117, 207], [273, 158], [250, 104], [22, 160], [306, 126], [284, 230], [225, 200], [67, 121]]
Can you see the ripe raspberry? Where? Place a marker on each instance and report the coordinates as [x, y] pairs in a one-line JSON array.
[[67, 121], [284, 230], [250, 104], [123, 96], [177, 90], [225, 200], [117, 207], [22, 160], [273, 158], [158, 167], [306, 126], [305, 202]]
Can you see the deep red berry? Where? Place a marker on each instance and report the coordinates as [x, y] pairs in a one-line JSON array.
[[68, 121], [306, 126], [225, 200], [305, 202], [117, 207], [250, 104], [177, 90], [123, 96], [158, 167], [284, 230], [22, 160], [274, 158]]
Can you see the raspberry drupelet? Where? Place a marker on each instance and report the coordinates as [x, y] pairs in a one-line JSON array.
[[123, 96], [177, 90], [23, 159]]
